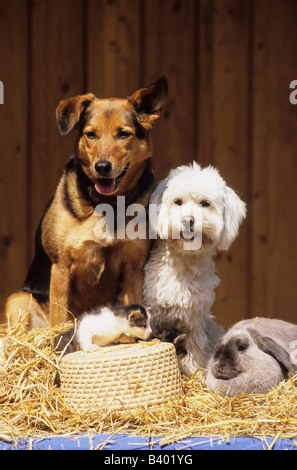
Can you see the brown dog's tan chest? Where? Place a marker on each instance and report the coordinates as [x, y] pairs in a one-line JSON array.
[[97, 273], [94, 276], [95, 265]]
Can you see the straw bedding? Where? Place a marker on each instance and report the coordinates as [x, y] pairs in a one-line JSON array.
[[31, 402]]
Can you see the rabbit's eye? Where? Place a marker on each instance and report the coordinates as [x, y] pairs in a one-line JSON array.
[[242, 347]]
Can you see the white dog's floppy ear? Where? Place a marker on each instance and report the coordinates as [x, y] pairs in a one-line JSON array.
[[157, 194], [234, 213], [155, 207]]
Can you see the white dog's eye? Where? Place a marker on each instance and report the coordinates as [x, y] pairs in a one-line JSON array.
[[204, 203], [178, 202]]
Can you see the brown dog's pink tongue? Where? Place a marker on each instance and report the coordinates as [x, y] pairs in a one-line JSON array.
[[105, 185]]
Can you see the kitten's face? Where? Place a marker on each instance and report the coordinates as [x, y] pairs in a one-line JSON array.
[[139, 322]]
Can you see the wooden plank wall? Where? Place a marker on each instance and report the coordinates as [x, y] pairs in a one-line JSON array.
[[229, 64]]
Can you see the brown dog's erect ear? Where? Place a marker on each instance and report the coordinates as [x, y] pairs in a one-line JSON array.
[[68, 112], [149, 101]]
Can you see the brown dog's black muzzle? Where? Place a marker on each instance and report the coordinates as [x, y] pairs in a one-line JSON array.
[[103, 168], [105, 183]]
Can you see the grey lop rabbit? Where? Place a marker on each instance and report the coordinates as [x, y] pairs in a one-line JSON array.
[[253, 356]]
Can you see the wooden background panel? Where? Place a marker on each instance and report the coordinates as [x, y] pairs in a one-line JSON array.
[[56, 72], [14, 256], [169, 47], [223, 132], [113, 48], [274, 189]]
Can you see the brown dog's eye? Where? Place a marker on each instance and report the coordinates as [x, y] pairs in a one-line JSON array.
[[123, 134], [91, 135]]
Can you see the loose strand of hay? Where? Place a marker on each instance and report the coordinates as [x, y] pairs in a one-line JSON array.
[[36, 351]]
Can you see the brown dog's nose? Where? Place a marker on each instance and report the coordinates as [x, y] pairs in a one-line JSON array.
[[103, 167]]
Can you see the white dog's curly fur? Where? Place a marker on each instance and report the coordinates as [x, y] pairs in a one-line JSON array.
[[197, 214]]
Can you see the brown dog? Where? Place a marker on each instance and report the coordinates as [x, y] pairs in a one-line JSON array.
[[74, 270]]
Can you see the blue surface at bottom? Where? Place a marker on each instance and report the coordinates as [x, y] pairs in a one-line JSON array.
[[120, 442]]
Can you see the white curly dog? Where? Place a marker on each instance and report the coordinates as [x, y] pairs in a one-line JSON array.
[[192, 214]]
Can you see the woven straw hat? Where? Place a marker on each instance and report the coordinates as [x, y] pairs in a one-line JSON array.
[[121, 376]]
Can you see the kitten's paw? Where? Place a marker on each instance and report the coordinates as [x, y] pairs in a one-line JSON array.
[[126, 339]]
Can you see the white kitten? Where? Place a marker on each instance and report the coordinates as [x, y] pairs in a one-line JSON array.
[[106, 325]]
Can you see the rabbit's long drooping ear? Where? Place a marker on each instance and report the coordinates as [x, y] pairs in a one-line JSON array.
[[274, 349], [234, 213]]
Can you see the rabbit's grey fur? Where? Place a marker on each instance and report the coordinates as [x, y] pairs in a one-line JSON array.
[[253, 356]]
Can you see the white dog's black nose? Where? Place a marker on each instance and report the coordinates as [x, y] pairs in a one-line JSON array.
[[188, 221]]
